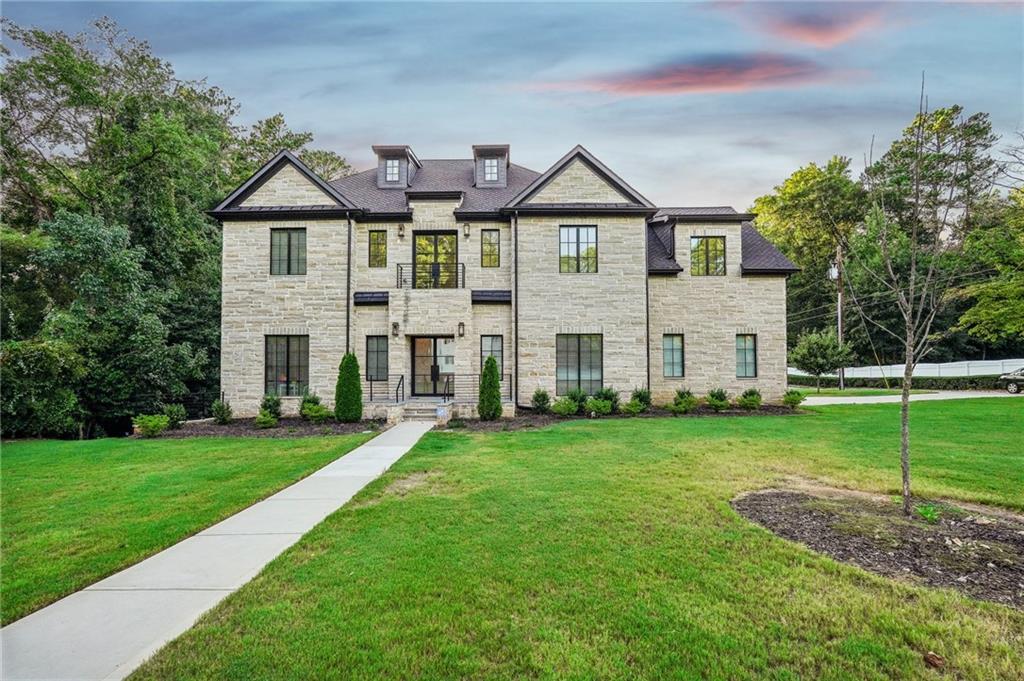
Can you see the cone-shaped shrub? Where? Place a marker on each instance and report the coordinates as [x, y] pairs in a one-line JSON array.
[[489, 406], [348, 393]]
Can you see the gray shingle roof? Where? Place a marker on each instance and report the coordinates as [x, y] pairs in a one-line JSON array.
[[760, 256], [694, 211], [436, 175], [661, 248]]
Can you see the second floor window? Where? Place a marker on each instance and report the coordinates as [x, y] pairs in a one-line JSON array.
[[672, 352], [490, 248], [376, 358], [286, 365], [577, 249], [746, 355], [490, 170], [707, 256], [287, 251], [378, 248], [391, 170]]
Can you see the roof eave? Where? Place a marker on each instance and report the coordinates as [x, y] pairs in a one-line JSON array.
[[277, 213], [569, 209]]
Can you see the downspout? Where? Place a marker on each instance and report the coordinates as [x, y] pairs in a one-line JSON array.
[[348, 288], [515, 304], [647, 305]]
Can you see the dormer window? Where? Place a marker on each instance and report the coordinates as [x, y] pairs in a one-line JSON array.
[[391, 170], [490, 170]]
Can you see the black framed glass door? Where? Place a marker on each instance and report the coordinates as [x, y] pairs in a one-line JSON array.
[[433, 363], [435, 260]]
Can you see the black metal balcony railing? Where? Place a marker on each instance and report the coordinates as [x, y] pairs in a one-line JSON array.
[[462, 387], [390, 389], [430, 275]]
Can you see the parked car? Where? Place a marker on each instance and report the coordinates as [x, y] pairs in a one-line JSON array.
[[1014, 381]]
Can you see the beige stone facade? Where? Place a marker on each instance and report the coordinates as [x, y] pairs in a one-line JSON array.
[[628, 307]]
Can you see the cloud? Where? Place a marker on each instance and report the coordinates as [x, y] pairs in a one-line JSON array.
[[821, 24], [702, 74]]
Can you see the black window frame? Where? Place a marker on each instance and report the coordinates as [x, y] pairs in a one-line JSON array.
[[562, 229], [704, 256], [497, 172], [682, 355], [745, 362], [567, 339], [290, 232], [300, 385], [496, 233], [376, 354], [383, 233], [388, 162], [501, 355]]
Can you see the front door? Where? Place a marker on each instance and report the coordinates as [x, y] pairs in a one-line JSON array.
[[435, 260], [433, 363]]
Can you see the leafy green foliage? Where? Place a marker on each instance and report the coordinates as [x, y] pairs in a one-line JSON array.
[[565, 406], [265, 419], [489, 402], [717, 399], [175, 414], [750, 399], [643, 396], [541, 401], [792, 398], [633, 408], [348, 393], [151, 425], [38, 380], [928, 512], [610, 395], [309, 400], [820, 352], [683, 403], [598, 407], [316, 413], [221, 411], [578, 396], [272, 405]]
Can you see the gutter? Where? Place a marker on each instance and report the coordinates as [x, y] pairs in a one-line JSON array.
[[348, 291]]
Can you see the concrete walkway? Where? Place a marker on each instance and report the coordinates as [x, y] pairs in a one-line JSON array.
[[108, 629], [813, 401]]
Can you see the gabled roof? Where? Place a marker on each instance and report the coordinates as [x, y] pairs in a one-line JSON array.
[[661, 248], [630, 195], [760, 256], [268, 171]]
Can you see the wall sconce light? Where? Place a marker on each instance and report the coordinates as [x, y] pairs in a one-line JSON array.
[[394, 329], [465, 229], [462, 329], [401, 231]]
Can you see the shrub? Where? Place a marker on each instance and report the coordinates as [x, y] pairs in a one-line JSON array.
[[175, 414], [317, 413], [792, 398], [579, 397], [265, 419], [309, 400], [683, 403], [633, 407], [597, 407], [272, 405], [750, 399], [541, 401], [609, 394], [38, 379], [919, 382], [348, 392], [221, 411], [820, 352], [928, 512], [151, 425], [717, 399], [643, 396], [456, 423], [565, 406], [488, 405]]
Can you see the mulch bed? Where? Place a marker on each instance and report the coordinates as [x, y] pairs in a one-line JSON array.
[[286, 427], [980, 555], [525, 418]]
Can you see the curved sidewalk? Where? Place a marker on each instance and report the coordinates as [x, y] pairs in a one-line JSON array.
[[813, 401], [108, 629]]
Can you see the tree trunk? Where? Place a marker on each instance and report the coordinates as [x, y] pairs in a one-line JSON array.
[[908, 375], [817, 382]]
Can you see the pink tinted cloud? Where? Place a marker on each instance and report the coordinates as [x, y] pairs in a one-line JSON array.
[[821, 24], [710, 73]]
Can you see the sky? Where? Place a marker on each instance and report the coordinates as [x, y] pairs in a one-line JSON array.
[[702, 103]]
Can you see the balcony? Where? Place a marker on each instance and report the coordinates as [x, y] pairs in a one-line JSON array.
[[430, 275]]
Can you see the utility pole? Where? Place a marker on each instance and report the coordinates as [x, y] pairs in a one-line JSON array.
[[839, 308]]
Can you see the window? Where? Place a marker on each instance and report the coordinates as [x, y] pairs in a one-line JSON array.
[[391, 170], [490, 170], [286, 365], [746, 356], [672, 351], [287, 251], [490, 248], [578, 363], [378, 248], [707, 256], [577, 249], [490, 346], [376, 358]]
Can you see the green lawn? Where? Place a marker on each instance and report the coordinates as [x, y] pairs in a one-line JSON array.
[[855, 392], [609, 550], [75, 512]]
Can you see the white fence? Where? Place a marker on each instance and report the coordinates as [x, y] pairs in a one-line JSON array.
[[968, 368]]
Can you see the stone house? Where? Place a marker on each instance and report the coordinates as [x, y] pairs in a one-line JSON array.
[[423, 268]]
